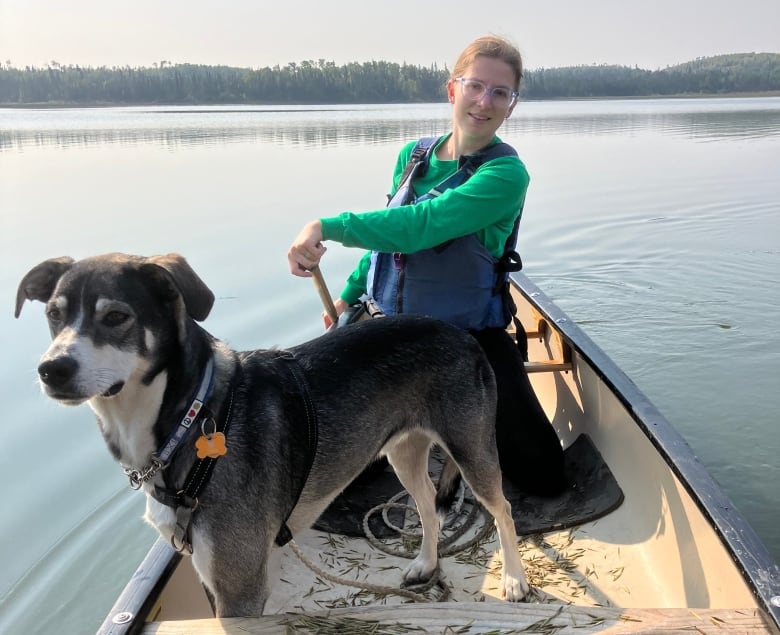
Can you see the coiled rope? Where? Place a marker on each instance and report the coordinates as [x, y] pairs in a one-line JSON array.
[[447, 546]]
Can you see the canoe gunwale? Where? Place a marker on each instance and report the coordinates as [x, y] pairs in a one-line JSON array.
[[129, 613], [746, 549]]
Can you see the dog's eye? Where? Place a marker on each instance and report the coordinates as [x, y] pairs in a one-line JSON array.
[[54, 314], [115, 318]]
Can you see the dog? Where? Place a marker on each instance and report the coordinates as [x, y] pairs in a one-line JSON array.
[[238, 451]]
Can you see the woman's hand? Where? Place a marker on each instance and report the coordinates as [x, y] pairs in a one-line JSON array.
[[306, 250]]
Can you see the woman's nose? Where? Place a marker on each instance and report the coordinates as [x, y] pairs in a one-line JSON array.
[[485, 99]]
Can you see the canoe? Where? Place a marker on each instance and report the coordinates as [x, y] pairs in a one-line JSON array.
[[644, 540]]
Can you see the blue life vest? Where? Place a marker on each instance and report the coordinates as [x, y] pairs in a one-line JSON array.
[[459, 281]]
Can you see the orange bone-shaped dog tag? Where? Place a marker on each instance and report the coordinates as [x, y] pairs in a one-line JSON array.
[[211, 445]]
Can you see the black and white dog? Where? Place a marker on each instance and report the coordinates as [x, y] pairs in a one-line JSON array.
[[237, 451]]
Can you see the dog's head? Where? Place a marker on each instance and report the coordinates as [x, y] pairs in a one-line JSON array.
[[109, 316]]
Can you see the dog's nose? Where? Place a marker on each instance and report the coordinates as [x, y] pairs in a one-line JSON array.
[[56, 372]]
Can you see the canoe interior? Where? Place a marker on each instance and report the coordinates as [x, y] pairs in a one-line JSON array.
[[674, 543]]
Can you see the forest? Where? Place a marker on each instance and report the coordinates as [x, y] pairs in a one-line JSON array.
[[323, 82]]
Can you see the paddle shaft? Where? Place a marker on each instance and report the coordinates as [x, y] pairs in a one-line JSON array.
[[322, 289]]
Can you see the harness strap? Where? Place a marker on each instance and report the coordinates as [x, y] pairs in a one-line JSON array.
[[416, 166], [423, 147], [510, 260], [181, 539], [468, 164], [295, 371], [185, 500], [190, 416], [193, 414]]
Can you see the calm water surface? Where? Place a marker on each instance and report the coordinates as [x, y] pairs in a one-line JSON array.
[[654, 224]]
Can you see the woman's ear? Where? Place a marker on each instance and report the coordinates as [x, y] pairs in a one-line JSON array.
[[451, 91]]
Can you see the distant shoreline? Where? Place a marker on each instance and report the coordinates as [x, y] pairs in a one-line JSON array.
[[272, 107]]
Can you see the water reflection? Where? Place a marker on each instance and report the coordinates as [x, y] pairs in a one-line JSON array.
[[279, 133], [701, 126], [187, 127], [701, 120]]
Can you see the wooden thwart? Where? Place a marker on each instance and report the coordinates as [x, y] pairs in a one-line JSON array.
[[547, 366], [477, 617], [542, 331]]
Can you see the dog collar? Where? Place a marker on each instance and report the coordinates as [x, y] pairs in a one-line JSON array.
[[162, 457]]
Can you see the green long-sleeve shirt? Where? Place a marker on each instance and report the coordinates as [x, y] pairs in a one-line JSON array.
[[487, 204]]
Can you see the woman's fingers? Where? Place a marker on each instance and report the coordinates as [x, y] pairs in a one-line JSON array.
[[299, 266], [306, 251], [303, 259]]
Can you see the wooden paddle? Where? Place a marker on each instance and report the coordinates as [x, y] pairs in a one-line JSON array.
[[322, 289]]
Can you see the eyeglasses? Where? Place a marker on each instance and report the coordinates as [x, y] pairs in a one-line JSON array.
[[499, 96]]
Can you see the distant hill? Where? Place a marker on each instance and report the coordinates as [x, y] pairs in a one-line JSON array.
[[722, 74], [323, 82], [736, 62], [744, 72]]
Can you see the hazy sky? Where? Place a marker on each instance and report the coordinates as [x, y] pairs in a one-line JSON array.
[[254, 33]]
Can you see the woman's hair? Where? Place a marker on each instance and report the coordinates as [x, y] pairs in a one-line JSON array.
[[490, 46]]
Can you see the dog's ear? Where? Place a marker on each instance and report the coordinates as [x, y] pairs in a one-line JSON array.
[[178, 278], [40, 281]]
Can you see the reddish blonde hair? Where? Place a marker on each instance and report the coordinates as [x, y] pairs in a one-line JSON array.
[[490, 46]]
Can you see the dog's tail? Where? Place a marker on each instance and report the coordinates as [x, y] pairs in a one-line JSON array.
[[449, 482]]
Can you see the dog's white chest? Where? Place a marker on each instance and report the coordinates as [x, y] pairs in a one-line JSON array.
[[161, 517]]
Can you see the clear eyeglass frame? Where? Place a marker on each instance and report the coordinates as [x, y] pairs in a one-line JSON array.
[[499, 96]]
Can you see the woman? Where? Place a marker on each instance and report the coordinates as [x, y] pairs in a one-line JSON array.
[[437, 249]]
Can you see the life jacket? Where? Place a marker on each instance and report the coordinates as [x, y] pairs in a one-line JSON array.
[[459, 281]]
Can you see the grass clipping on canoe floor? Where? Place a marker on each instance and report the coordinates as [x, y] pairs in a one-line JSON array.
[[338, 625], [324, 625], [558, 570], [554, 565]]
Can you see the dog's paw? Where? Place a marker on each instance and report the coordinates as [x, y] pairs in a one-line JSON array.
[[420, 571], [515, 588]]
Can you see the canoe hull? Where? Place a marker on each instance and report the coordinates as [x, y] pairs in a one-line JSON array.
[[676, 544]]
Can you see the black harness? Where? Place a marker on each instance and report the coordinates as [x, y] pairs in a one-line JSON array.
[[302, 417], [302, 442], [184, 500]]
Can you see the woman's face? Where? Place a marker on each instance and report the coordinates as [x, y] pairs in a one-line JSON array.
[[479, 119]]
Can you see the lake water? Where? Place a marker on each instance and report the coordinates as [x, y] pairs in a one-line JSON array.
[[655, 224]]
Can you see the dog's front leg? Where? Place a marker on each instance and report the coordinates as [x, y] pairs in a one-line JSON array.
[[235, 582]]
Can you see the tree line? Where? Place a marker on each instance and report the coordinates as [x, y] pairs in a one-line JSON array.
[[323, 82], [722, 74]]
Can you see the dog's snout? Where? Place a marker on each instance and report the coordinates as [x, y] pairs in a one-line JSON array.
[[57, 372]]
